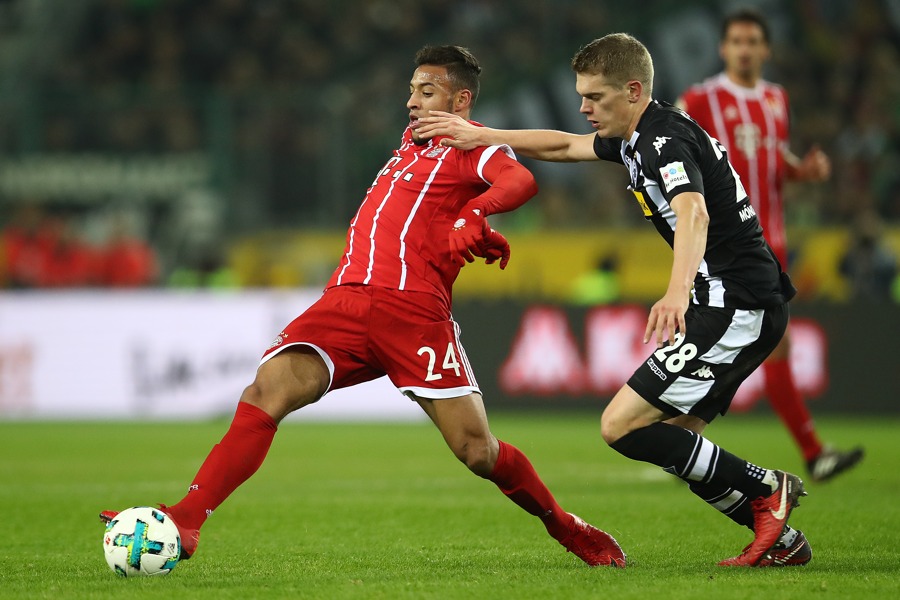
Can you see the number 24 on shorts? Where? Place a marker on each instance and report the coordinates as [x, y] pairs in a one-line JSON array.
[[450, 361]]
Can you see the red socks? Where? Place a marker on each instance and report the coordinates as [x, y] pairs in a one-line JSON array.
[[787, 402], [229, 464], [516, 478], [245, 445]]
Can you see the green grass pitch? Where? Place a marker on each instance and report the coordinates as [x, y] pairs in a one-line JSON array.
[[385, 511]]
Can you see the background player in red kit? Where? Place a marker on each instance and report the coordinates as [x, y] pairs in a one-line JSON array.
[[750, 117], [386, 310]]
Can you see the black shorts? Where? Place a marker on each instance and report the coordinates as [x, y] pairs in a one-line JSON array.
[[700, 373]]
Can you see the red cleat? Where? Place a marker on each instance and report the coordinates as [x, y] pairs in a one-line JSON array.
[[190, 538], [770, 514], [595, 547]]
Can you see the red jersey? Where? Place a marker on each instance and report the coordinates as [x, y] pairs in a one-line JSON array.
[[752, 124], [399, 236]]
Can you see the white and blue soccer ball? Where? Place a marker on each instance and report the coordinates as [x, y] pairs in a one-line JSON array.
[[141, 541]]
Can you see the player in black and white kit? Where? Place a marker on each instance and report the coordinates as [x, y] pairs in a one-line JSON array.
[[669, 154], [725, 308]]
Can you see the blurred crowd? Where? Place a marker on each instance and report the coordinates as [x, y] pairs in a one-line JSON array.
[[297, 101], [40, 249]]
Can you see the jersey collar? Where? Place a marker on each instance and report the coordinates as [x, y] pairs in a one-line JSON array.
[[739, 90]]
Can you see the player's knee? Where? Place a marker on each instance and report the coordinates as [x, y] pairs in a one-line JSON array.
[[476, 454], [278, 399], [612, 426]]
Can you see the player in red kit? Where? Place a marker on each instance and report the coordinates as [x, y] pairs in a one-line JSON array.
[[386, 311], [750, 117]]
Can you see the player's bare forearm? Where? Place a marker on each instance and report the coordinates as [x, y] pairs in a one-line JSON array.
[[690, 240], [667, 315], [542, 144]]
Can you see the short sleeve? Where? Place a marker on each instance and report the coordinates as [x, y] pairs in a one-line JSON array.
[[674, 163], [608, 149]]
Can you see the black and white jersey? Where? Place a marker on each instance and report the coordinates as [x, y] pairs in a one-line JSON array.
[[669, 154]]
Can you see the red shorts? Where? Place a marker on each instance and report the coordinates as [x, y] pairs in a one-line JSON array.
[[364, 332]]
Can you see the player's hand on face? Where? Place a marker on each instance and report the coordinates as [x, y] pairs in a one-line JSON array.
[[666, 318], [459, 132]]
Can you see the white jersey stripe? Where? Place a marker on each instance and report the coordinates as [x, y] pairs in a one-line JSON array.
[[771, 134], [349, 252], [716, 288], [752, 162], [488, 153], [375, 219], [721, 133], [412, 214]]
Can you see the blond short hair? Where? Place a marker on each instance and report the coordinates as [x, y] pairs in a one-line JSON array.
[[619, 58]]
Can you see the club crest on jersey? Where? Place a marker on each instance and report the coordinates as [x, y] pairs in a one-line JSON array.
[[435, 152], [673, 175], [633, 169]]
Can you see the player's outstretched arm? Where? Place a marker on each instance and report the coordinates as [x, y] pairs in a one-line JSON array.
[[542, 144]]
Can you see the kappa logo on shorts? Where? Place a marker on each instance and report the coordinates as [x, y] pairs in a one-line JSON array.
[[704, 372], [655, 368]]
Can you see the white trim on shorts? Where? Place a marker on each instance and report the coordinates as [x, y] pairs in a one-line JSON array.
[[439, 394], [324, 355]]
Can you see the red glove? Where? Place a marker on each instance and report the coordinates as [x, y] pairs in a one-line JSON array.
[[469, 231], [494, 247]]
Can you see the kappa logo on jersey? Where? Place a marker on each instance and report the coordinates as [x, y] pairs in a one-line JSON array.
[[673, 175], [704, 372], [660, 142]]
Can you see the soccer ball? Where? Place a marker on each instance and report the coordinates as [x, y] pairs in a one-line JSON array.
[[141, 541]]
